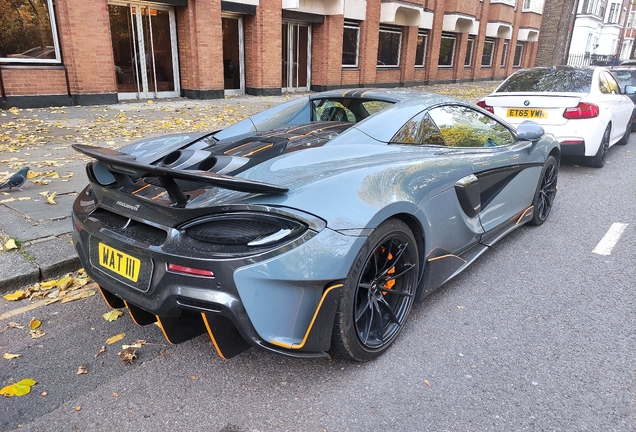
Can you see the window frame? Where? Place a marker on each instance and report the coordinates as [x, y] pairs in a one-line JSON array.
[[352, 26], [393, 30], [424, 35], [519, 45], [452, 37], [504, 54], [56, 45], [470, 48], [493, 44]]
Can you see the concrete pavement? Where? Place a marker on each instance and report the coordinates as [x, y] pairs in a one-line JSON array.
[[42, 138]]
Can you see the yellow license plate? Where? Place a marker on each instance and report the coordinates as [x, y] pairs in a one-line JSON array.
[[119, 262], [528, 113]]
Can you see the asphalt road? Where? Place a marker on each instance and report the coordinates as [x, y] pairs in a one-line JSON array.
[[539, 334]]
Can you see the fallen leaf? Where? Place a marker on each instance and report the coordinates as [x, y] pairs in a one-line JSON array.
[[78, 296], [78, 408], [11, 356], [101, 351], [64, 282], [15, 325], [10, 244], [43, 394], [111, 340], [20, 388], [82, 369], [112, 315], [427, 383], [49, 284], [128, 355], [34, 323], [50, 199], [115, 394], [136, 344], [16, 295], [36, 334]]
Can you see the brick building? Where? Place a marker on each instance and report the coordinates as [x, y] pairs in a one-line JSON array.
[[60, 52]]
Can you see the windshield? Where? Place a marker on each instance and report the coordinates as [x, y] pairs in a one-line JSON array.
[[556, 80]]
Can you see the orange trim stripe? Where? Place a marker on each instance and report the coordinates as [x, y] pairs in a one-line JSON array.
[[140, 189], [311, 324], [523, 214], [158, 196], [104, 297], [162, 330], [130, 313], [258, 150], [446, 256], [237, 147], [216, 346]]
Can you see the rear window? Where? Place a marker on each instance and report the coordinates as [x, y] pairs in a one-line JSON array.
[[549, 80]]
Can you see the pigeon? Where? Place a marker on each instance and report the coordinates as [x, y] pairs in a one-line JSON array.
[[16, 180]]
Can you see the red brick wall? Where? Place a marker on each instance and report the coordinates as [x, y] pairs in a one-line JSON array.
[[263, 52], [84, 31], [326, 51], [43, 80], [200, 35]]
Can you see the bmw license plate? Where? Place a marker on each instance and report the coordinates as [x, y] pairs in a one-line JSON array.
[[119, 262], [528, 113]]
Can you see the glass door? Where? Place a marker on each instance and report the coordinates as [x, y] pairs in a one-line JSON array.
[[296, 59], [233, 63], [144, 50]]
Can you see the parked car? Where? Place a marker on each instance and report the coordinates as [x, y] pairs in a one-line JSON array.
[[626, 77], [312, 226], [583, 107]]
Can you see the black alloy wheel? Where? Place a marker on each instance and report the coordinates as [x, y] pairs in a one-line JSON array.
[[546, 191], [378, 293], [598, 160]]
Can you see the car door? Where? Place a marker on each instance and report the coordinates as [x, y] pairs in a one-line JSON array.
[[619, 106], [505, 171]]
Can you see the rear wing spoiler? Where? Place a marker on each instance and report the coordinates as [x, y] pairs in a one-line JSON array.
[[124, 168]]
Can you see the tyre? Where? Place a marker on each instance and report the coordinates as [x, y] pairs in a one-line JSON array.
[[546, 191], [598, 160], [628, 132], [378, 293]]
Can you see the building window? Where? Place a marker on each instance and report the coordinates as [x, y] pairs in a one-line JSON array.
[[630, 20], [469, 51], [533, 6], [504, 54], [518, 55], [488, 53], [447, 51], [350, 44], [27, 32], [389, 45], [612, 16], [420, 52]]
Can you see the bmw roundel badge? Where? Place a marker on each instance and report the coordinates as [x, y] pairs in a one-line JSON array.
[[526, 103]]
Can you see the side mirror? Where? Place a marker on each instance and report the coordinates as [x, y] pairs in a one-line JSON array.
[[630, 89], [530, 131]]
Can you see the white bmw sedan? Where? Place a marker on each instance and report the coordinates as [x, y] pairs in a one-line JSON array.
[[583, 108]]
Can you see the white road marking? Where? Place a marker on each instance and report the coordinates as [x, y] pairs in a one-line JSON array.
[[607, 243]]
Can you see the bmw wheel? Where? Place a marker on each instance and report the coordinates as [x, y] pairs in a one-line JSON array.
[[598, 160], [378, 293], [546, 191]]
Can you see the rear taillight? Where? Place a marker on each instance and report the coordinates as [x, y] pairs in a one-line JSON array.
[[488, 108], [581, 111]]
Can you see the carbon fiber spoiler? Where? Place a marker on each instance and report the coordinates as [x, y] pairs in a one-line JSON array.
[[123, 167]]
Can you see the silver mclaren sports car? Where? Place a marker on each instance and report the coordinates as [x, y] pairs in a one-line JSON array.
[[311, 227]]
